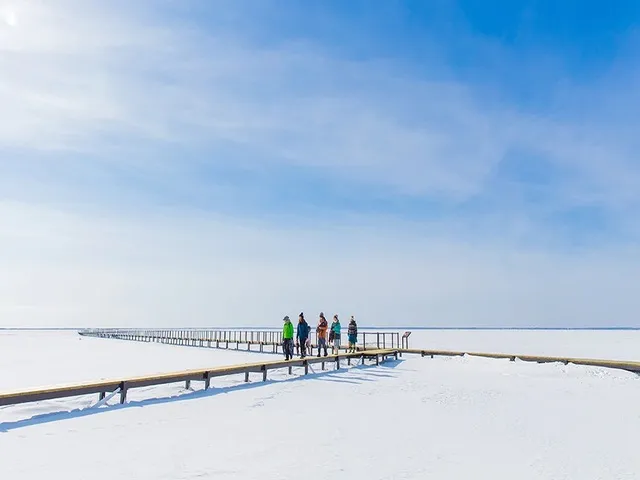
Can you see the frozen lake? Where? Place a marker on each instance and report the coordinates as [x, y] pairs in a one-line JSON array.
[[412, 419], [604, 344]]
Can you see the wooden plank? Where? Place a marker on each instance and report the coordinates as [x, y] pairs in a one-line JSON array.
[[13, 398], [617, 364], [262, 336]]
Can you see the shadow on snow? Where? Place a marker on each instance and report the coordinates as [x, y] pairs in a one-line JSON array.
[[325, 375]]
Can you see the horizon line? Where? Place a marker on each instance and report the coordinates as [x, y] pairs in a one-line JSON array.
[[263, 327]]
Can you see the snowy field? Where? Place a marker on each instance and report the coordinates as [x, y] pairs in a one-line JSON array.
[[603, 344], [418, 418], [35, 359]]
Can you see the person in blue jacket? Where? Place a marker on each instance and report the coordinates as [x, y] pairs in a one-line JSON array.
[[302, 335]]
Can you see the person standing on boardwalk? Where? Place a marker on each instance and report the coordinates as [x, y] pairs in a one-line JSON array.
[[331, 337], [353, 334], [287, 338], [336, 328], [302, 335], [321, 330]]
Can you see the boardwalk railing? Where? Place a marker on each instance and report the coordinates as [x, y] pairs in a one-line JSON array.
[[617, 364], [213, 338], [122, 386], [367, 340]]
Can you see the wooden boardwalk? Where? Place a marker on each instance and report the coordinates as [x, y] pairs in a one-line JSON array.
[[270, 339], [617, 364], [121, 386], [263, 341], [269, 342]]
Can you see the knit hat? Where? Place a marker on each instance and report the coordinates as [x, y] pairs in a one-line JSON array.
[[286, 319]]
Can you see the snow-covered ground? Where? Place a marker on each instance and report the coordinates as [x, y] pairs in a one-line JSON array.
[[44, 358], [604, 344], [444, 418]]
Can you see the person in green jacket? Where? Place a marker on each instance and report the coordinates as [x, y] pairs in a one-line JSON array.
[[287, 338]]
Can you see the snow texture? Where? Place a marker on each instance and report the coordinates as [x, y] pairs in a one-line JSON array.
[[417, 418]]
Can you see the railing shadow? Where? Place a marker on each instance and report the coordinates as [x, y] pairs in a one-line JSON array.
[[328, 375]]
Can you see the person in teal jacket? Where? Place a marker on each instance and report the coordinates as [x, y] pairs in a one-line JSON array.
[[336, 328], [287, 338]]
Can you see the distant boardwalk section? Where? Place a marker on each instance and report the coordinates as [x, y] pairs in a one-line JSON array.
[[271, 340], [253, 340], [590, 362]]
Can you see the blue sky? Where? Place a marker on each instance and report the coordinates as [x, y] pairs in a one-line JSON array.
[[489, 144]]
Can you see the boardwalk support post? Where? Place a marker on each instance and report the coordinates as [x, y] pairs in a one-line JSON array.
[[123, 392]]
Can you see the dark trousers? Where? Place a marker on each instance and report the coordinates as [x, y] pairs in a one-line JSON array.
[[322, 343], [303, 347], [288, 348]]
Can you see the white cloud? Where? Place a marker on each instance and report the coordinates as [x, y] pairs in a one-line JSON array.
[[174, 268], [86, 85], [76, 75]]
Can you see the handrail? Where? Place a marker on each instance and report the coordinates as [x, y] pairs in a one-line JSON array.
[[195, 337], [198, 337], [123, 385], [630, 366], [108, 386]]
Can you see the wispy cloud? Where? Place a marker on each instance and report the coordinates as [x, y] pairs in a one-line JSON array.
[[69, 269], [103, 81], [114, 104]]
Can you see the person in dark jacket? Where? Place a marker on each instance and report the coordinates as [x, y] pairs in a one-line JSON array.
[[352, 333], [332, 337], [302, 335]]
